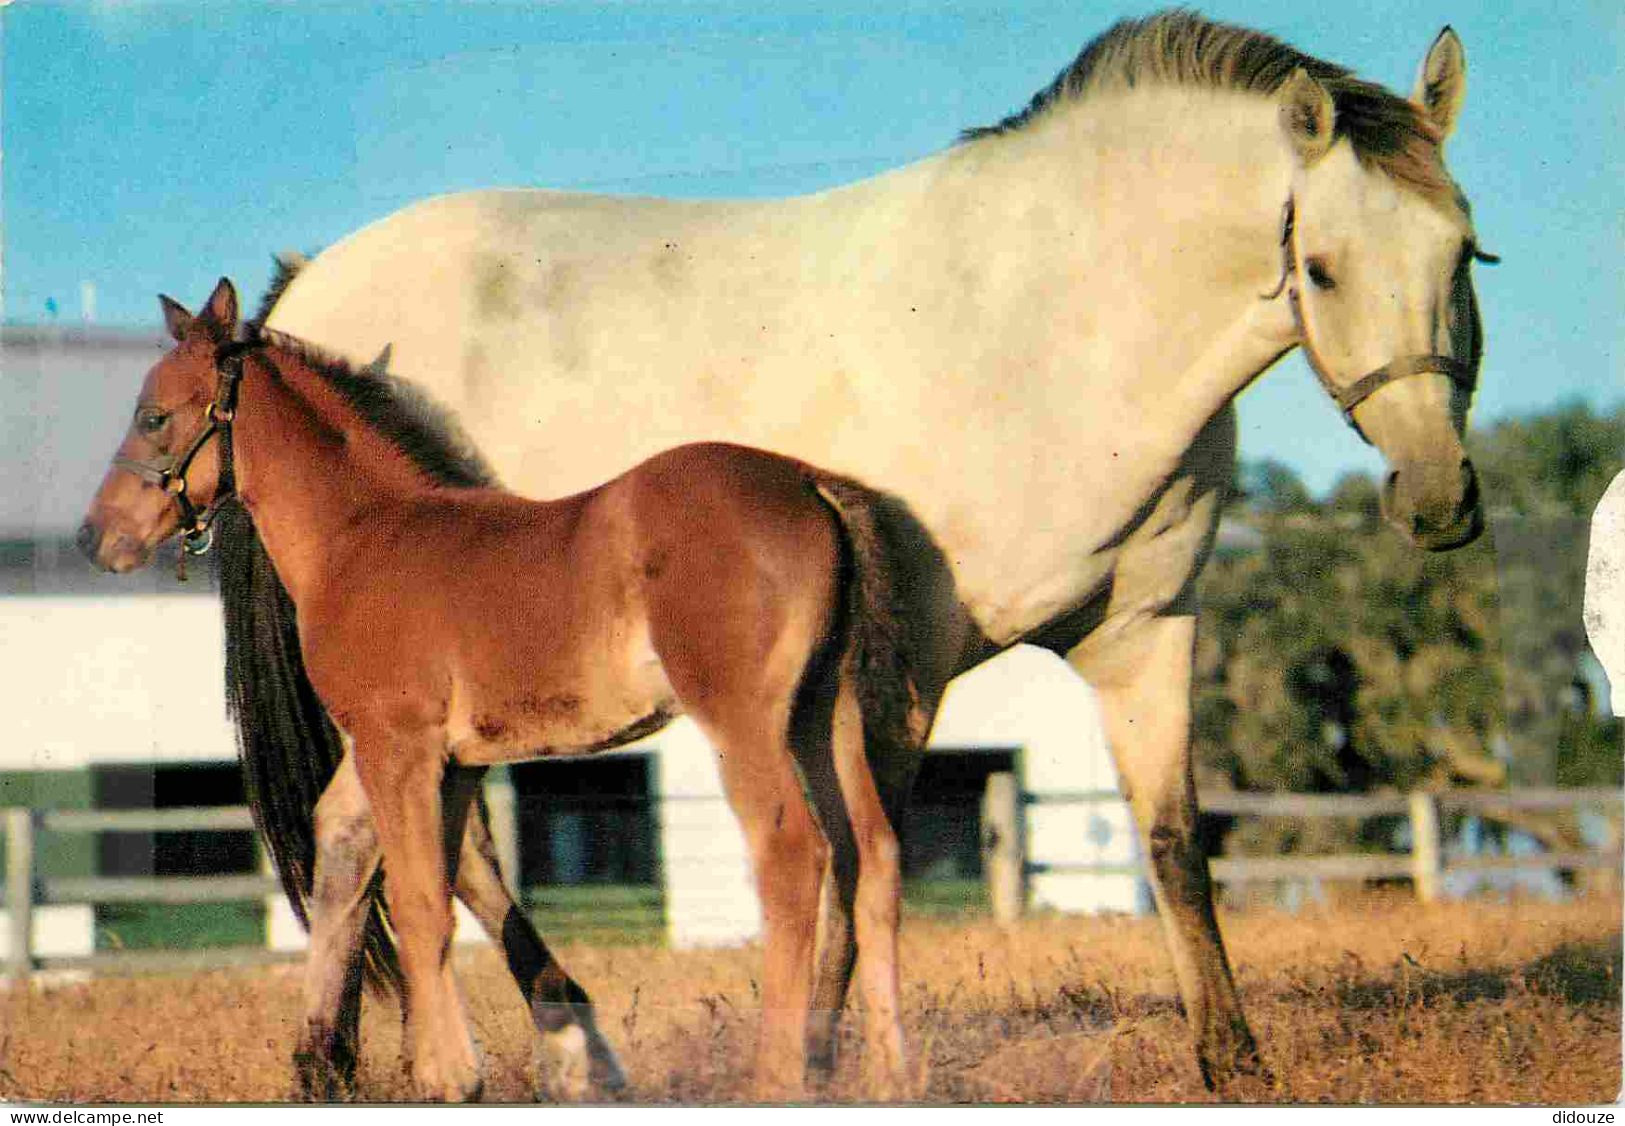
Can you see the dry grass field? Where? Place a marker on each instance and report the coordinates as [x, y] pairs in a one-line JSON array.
[[1382, 1001]]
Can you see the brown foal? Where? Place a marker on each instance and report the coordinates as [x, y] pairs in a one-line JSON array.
[[447, 630]]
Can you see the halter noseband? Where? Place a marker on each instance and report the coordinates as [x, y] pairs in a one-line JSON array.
[[169, 473], [1461, 373]]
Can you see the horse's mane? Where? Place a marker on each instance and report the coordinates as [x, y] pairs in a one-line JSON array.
[[288, 264], [1180, 48]]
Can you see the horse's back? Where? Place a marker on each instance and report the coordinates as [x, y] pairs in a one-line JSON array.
[[843, 329]]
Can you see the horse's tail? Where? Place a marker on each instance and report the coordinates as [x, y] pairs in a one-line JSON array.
[[289, 747], [876, 652]]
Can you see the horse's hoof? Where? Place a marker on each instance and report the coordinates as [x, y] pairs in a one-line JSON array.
[[323, 1072], [604, 1070], [1237, 1070], [564, 1065]]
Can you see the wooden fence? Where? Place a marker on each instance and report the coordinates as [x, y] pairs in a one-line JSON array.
[[1005, 864], [1006, 868]]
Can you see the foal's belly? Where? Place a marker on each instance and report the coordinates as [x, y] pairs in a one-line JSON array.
[[610, 700]]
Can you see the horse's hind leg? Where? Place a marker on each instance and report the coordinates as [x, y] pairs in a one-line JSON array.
[[420, 827], [346, 860], [578, 1055], [1144, 683]]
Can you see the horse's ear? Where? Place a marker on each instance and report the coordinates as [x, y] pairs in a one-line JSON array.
[[176, 318], [1307, 116], [221, 308], [1441, 87]]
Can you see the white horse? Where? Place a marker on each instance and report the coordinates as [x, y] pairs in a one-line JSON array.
[[1032, 340]]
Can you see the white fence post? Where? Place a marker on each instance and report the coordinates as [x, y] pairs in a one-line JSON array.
[[20, 891], [1004, 852], [1427, 855], [502, 805]]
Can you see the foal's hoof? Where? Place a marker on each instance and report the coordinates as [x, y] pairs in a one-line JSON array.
[[455, 1090]]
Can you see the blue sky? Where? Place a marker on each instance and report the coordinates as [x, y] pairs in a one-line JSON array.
[[154, 146]]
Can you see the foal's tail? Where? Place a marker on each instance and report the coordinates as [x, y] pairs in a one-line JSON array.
[[289, 747], [877, 650]]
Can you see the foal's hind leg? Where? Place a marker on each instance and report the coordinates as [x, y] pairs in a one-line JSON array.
[[346, 861], [580, 1057], [416, 820], [892, 767], [873, 777], [788, 854]]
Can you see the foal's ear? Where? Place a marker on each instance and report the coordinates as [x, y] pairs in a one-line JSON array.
[[1307, 116], [221, 308], [1441, 86], [176, 319]]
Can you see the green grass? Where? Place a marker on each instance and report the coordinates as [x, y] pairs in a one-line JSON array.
[[945, 899], [189, 926], [598, 914], [614, 914]]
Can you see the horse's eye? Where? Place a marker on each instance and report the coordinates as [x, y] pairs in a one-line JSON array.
[[1319, 277], [150, 421]]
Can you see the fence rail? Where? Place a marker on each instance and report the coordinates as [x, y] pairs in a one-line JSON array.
[[1425, 865], [1005, 862]]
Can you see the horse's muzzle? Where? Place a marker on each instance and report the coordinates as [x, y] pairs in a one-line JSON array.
[[1436, 508]]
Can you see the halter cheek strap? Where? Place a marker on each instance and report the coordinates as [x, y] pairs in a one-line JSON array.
[[169, 473], [1461, 373]]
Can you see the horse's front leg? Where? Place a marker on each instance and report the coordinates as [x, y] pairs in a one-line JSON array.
[[346, 860], [1143, 680], [578, 1055], [420, 827]]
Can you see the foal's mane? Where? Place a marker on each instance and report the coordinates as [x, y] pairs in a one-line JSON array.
[[409, 420], [422, 430], [1180, 48]]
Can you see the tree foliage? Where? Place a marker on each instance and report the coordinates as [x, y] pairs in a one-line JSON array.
[[1337, 657]]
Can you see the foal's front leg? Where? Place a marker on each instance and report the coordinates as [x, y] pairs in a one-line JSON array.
[[402, 777]]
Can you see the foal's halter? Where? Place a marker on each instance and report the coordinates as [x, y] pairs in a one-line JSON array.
[[1460, 372], [169, 473]]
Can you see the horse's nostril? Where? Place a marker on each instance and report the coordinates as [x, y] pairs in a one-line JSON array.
[[88, 540]]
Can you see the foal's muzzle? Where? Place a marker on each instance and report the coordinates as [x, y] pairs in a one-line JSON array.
[[117, 553]]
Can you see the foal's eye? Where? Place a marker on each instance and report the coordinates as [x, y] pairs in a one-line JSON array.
[[150, 421], [1319, 276]]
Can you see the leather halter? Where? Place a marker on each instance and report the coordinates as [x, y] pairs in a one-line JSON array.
[[169, 473], [1463, 374]]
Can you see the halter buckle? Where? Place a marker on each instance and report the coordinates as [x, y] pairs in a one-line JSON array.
[[198, 540]]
